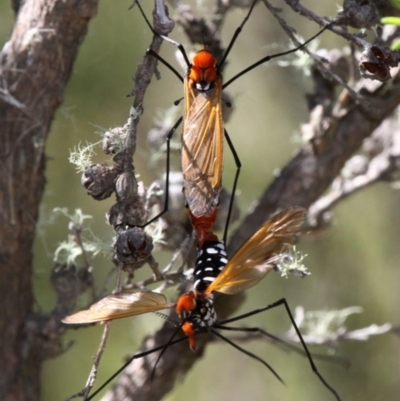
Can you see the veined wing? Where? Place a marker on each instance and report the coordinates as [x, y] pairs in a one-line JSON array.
[[254, 259], [202, 149], [120, 305]]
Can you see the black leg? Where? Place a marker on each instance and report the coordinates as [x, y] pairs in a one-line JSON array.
[[283, 302]]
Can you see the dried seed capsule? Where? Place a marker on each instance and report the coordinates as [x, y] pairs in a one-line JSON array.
[[132, 248], [99, 180]]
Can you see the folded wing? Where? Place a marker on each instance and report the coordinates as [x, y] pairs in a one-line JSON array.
[[202, 149]]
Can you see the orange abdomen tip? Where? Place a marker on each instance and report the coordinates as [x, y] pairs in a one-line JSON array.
[[186, 303], [203, 226], [189, 331]]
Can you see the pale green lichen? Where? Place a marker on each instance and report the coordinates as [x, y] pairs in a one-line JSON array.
[[291, 263]]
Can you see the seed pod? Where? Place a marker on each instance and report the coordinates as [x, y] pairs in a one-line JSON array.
[[132, 248], [99, 180], [126, 187], [375, 63], [122, 214]]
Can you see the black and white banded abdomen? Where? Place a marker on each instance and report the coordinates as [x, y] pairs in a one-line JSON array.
[[211, 259]]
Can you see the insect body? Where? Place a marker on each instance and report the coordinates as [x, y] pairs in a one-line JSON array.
[[250, 264], [213, 273], [203, 134], [256, 257], [211, 260], [203, 126]]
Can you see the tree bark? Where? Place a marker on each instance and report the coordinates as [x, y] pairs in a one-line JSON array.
[[35, 66]]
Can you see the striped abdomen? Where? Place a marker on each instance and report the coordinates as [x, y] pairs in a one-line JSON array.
[[211, 259]]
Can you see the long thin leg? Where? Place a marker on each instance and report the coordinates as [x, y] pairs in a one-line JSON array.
[[235, 181], [167, 169], [166, 38], [165, 62], [285, 345], [235, 36], [280, 302], [250, 354], [170, 342], [136, 356], [267, 58]]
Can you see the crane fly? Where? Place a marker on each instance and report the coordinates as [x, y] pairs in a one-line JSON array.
[[203, 125], [203, 134], [213, 273], [250, 264], [245, 269]]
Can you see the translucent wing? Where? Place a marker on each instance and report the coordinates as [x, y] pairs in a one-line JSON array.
[[202, 149], [120, 305], [254, 259]]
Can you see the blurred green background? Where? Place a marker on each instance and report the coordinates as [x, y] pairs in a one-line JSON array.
[[353, 263]]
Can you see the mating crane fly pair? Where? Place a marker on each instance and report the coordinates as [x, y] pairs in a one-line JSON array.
[[202, 161]]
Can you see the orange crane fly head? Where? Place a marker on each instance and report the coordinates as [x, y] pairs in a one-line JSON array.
[[204, 67]]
